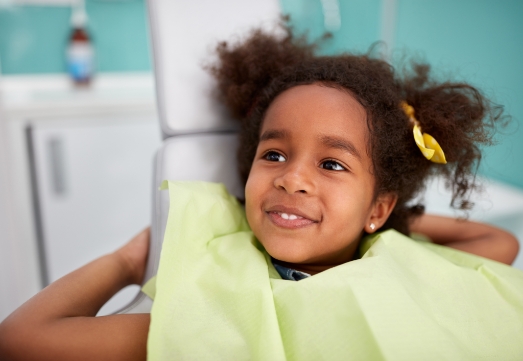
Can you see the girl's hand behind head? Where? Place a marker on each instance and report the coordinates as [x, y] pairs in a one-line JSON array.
[[133, 256]]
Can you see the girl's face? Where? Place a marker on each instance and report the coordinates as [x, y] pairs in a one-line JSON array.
[[310, 192]]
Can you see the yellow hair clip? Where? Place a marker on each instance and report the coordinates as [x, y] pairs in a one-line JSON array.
[[426, 143]]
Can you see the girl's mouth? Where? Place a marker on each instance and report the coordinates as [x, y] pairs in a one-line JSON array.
[[288, 220]]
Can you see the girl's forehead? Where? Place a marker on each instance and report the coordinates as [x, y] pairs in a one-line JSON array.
[[318, 107]]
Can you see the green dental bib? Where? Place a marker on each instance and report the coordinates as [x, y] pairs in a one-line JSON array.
[[218, 297]]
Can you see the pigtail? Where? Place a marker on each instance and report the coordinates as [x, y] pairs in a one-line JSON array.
[[245, 68], [461, 119]]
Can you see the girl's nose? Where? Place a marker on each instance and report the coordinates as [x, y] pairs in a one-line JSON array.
[[296, 178]]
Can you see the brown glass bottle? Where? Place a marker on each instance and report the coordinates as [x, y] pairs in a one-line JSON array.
[[80, 54]]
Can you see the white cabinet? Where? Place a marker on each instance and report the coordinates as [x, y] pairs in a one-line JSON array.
[[80, 170]]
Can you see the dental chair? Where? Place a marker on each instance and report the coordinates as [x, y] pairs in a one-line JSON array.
[[199, 139]]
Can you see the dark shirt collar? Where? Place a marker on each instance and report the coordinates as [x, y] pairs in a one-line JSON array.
[[289, 273]]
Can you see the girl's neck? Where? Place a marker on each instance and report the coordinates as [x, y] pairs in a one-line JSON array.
[[314, 268], [311, 269]]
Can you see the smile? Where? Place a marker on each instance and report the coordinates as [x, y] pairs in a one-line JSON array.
[[288, 219]]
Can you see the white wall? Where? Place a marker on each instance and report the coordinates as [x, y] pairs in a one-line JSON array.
[[8, 296]]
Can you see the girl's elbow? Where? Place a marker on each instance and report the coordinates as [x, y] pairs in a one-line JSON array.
[[19, 338], [509, 248], [11, 335]]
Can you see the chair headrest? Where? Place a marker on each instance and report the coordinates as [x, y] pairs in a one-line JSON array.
[[184, 35]]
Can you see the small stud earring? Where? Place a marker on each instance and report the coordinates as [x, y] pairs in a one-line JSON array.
[[372, 226]]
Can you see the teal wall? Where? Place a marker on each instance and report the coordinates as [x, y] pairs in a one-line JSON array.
[[33, 39], [360, 23], [480, 41], [477, 40]]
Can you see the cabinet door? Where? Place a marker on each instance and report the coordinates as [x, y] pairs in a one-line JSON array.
[[92, 188]]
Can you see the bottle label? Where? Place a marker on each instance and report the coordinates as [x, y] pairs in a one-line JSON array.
[[80, 60]]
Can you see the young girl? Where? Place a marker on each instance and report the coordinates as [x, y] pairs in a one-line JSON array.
[[328, 156]]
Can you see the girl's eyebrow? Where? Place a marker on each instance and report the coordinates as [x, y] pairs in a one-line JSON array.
[[340, 143], [329, 141], [274, 134]]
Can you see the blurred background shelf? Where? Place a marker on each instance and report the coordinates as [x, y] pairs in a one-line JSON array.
[[79, 172]]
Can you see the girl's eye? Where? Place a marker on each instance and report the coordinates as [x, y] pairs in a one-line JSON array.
[[274, 157], [331, 165]]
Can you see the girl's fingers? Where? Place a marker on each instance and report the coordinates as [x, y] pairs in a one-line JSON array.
[[134, 255]]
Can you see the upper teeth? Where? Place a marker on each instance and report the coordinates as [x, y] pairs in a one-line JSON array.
[[289, 216]]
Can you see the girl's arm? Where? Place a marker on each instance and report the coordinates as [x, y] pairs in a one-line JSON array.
[[476, 238], [59, 322]]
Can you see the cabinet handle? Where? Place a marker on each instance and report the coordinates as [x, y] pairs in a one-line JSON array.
[[55, 147]]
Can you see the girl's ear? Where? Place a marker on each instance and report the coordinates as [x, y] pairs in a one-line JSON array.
[[380, 212]]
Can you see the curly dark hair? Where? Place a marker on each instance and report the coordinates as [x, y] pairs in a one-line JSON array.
[[253, 72]]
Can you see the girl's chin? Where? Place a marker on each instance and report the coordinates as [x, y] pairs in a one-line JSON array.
[[287, 254]]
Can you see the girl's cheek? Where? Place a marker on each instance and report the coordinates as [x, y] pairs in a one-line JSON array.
[[256, 187], [254, 182], [250, 196]]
